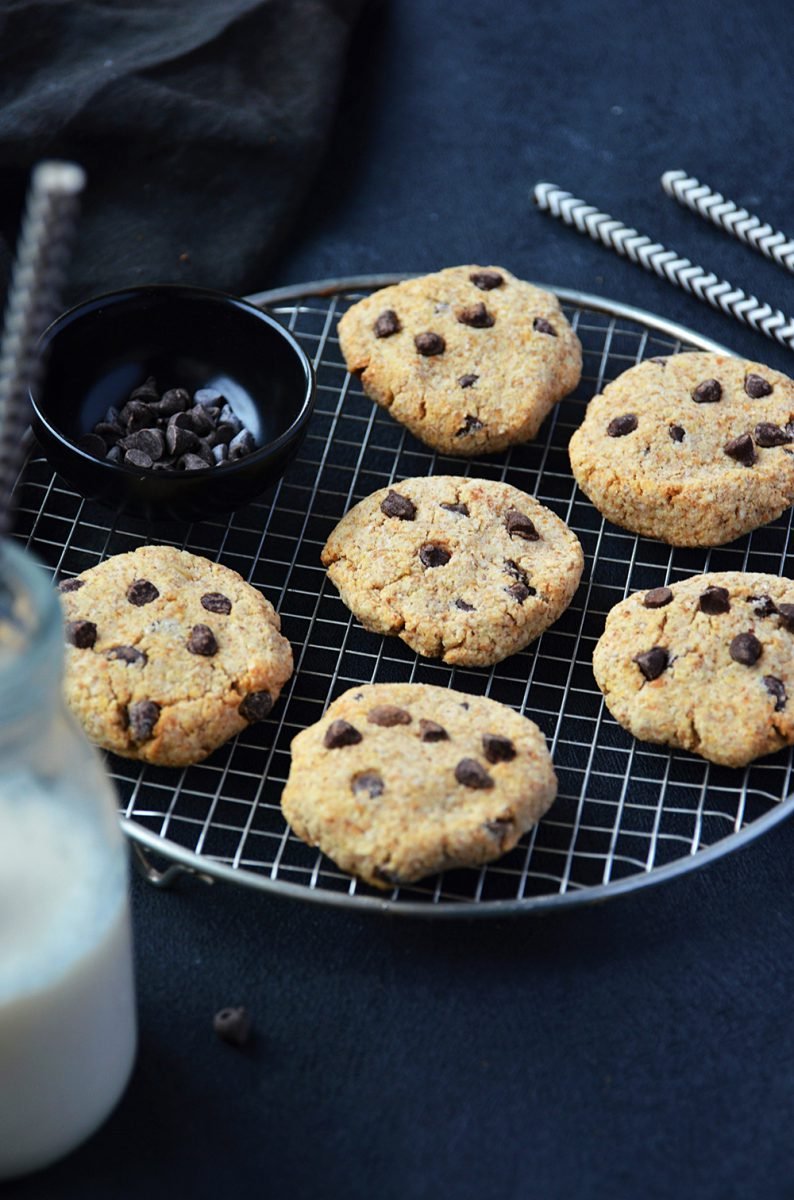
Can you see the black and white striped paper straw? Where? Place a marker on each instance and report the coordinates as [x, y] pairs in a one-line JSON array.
[[738, 222], [33, 302], [653, 256]]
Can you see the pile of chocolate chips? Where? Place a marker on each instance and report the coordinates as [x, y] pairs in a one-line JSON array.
[[170, 431]]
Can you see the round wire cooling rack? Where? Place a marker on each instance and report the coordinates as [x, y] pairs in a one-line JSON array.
[[627, 813]]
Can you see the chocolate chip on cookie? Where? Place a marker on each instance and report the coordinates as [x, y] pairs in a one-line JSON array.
[[141, 591], [369, 782], [142, 716], [657, 597], [466, 381], [216, 602], [471, 424], [518, 524], [256, 706], [756, 387], [776, 688], [398, 506], [341, 733], [767, 434], [433, 555], [476, 316], [498, 748], [464, 605], [652, 662], [541, 325], [486, 281], [387, 324], [786, 613], [520, 592], [746, 649], [70, 585], [429, 343], [677, 433], [129, 655], [741, 449], [764, 605], [81, 634], [622, 425], [472, 774], [202, 641], [388, 715], [708, 392], [431, 731], [461, 509], [715, 600]]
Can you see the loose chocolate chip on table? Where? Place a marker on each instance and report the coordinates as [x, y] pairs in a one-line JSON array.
[[141, 591], [657, 597], [93, 444], [486, 280], [340, 733], [369, 782], [464, 605], [216, 602], [476, 316], [741, 449], [518, 524], [431, 731], [764, 605], [766, 434], [128, 654], [677, 433], [232, 1025], [430, 343], [433, 555], [139, 459], [472, 774], [387, 324], [652, 662], [621, 426], [708, 392], [388, 715], [462, 509], [467, 380], [756, 387], [470, 425], [520, 592], [202, 641], [142, 718], [81, 634], [715, 600], [541, 325], [398, 506], [256, 706], [786, 613], [70, 585], [746, 649], [776, 688], [498, 748]]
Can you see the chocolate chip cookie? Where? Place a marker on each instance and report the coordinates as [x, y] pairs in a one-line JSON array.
[[706, 665], [467, 570], [168, 654], [695, 449], [470, 359], [398, 781]]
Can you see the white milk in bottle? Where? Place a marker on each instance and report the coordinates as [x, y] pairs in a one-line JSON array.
[[67, 1011]]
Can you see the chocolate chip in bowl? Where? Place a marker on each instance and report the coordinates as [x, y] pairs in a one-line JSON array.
[[172, 402]]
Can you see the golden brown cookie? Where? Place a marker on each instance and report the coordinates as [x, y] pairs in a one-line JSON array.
[[468, 570], [168, 654], [397, 781], [470, 359], [706, 665], [695, 449]]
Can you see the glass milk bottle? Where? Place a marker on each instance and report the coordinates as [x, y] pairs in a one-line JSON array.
[[67, 1011]]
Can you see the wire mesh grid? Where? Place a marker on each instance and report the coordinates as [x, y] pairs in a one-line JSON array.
[[627, 813]]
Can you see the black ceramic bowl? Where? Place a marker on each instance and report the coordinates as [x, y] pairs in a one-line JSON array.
[[97, 353]]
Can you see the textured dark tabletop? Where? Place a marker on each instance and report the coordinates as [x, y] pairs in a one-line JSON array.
[[639, 1048]]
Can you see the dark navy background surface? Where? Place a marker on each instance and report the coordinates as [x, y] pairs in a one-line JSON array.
[[644, 1047]]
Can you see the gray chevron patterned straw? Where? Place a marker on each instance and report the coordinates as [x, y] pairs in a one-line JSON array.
[[33, 302], [653, 256], [738, 222]]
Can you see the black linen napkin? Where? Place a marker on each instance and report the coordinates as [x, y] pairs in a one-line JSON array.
[[200, 124]]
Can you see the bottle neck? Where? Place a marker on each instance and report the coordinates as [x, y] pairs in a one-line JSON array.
[[31, 643]]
